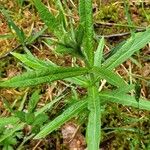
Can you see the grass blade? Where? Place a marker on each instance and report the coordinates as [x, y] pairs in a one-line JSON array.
[[43, 76], [94, 121], [18, 31], [61, 119]]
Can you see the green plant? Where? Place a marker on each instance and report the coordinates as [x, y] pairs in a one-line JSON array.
[[79, 42], [11, 127], [9, 130]]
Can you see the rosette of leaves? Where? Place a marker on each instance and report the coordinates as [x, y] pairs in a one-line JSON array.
[[79, 42]]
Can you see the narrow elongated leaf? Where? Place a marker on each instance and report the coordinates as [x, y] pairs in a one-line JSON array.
[[82, 11], [89, 32], [85, 12], [110, 76], [33, 101], [18, 31], [48, 17], [135, 43], [99, 53], [80, 80], [61, 16], [114, 50], [125, 89], [125, 99], [94, 120], [43, 76], [61, 119], [79, 35], [33, 62]]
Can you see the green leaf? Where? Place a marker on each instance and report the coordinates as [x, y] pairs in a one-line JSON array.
[[61, 119], [79, 35], [33, 62], [29, 118], [80, 80], [15, 128], [33, 101], [64, 49], [125, 89], [99, 53], [133, 44], [18, 31], [125, 99], [20, 115], [109, 76], [48, 17], [48, 106], [82, 11], [94, 121], [68, 44], [8, 120], [62, 17], [114, 49], [86, 19], [40, 119], [43, 76]]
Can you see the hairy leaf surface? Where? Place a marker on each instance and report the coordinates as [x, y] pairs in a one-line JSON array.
[[110, 76], [85, 11], [125, 99], [94, 119], [33, 62], [43, 76], [47, 17], [99, 53]]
